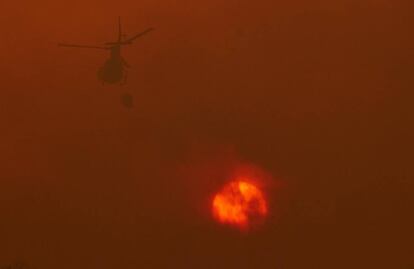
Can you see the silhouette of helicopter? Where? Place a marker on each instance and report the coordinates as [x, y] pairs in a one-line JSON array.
[[114, 70]]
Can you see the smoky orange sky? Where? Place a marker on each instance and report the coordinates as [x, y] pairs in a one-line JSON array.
[[316, 93]]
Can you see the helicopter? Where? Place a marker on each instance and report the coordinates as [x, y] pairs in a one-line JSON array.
[[114, 70]]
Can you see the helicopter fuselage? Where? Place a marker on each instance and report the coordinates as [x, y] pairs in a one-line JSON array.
[[113, 70]]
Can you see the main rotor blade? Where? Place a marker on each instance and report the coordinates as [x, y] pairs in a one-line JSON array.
[[130, 40], [81, 46]]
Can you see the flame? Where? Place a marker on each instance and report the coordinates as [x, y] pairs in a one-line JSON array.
[[238, 203]]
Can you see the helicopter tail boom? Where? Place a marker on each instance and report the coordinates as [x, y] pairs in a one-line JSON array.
[[119, 30]]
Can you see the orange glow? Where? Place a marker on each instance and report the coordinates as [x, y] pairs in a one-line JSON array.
[[239, 203]]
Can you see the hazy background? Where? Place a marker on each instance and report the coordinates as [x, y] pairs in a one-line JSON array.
[[317, 93]]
